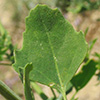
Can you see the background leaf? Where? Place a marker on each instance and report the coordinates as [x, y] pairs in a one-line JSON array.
[[5, 45], [83, 77]]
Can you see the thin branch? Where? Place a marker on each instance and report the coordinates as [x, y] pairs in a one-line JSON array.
[[53, 92], [7, 92], [5, 64]]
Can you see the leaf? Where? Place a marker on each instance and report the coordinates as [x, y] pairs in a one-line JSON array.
[[55, 49], [90, 47], [91, 44], [97, 55], [5, 45], [27, 89], [69, 88], [83, 77], [86, 31]]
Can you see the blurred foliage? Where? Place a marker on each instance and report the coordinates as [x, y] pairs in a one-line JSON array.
[[20, 8], [98, 66], [63, 4], [90, 46], [97, 55], [78, 6], [98, 19], [6, 47], [82, 78]]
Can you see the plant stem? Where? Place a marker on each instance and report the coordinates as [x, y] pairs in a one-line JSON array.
[[7, 92], [5, 64], [27, 89], [38, 90], [63, 93], [60, 97], [64, 96], [53, 92], [73, 95]]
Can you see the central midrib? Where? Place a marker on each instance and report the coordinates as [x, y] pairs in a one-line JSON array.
[[54, 57]]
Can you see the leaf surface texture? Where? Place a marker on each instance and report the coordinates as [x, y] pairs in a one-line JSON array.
[[52, 45]]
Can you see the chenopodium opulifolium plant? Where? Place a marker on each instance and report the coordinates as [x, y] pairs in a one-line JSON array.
[[5, 45], [53, 47]]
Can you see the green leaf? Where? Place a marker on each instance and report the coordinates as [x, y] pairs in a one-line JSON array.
[[26, 81], [5, 45], [86, 31], [55, 49], [97, 55], [83, 77], [91, 44], [90, 47], [69, 88]]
